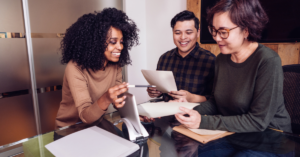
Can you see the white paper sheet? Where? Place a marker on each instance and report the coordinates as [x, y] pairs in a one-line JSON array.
[[92, 142], [163, 80], [161, 109], [207, 132]]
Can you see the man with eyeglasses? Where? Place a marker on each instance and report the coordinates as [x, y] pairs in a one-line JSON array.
[[192, 66]]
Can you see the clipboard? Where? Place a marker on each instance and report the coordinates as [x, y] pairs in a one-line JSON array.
[[201, 138]]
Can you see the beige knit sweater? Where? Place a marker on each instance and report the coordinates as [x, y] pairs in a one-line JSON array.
[[80, 92]]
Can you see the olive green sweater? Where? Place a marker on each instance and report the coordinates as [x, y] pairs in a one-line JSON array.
[[247, 97]]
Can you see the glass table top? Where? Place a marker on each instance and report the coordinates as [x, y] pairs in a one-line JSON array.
[[165, 142]]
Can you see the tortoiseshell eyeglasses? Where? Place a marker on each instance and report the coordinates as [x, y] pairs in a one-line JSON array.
[[223, 32]]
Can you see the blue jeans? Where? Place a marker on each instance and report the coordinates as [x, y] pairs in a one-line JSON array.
[[223, 148]]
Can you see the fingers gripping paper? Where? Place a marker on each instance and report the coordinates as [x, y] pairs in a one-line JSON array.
[[161, 109], [163, 80]]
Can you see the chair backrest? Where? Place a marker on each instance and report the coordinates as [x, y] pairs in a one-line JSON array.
[[291, 93]]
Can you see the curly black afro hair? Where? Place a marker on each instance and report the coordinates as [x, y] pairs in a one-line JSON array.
[[86, 40]]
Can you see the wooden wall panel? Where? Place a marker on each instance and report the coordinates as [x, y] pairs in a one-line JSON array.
[[213, 48], [288, 52], [194, 6], [274, 47]]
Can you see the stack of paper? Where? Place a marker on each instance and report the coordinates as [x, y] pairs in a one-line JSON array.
[[92, 142], [161, 109]]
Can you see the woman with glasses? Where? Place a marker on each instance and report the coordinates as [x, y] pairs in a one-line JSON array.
[[248, 84]]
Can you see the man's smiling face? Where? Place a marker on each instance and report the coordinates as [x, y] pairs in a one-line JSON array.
[[185, 36]]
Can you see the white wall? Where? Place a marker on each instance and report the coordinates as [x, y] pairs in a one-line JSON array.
[[153, 18], [159, 32]]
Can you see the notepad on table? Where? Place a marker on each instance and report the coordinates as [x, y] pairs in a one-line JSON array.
[[92, 142], [207, 135]]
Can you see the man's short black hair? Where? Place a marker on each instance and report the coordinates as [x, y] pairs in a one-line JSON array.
[[184, 16]]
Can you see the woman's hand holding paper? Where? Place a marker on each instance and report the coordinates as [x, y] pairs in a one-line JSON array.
[[192, 122]]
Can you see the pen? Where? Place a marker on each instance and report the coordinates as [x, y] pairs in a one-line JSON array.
[[141, 86], [291, 134]]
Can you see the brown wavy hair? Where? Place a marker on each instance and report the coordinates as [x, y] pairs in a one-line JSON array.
[[247, 14]]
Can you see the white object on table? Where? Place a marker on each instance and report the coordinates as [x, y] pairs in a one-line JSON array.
[[92, 142], [163, 80], [161, 109]]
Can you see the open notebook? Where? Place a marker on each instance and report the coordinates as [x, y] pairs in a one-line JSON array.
[[92, 142]]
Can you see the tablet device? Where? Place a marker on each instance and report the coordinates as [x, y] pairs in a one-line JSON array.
[[129, 114]]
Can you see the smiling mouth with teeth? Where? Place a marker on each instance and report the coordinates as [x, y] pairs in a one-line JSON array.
[[183, 43], [116, 54]]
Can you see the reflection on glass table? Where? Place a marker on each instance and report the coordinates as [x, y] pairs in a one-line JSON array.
[[165, 142], [34, 146]]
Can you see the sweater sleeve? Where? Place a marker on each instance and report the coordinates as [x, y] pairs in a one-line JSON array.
[[88, 110], [266, 98], [208, 107], [119, 76]]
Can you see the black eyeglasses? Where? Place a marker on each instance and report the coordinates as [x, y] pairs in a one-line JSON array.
[[223, 32]]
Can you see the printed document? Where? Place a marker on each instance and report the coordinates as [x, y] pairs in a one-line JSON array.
[[163, 80], [161, 109]]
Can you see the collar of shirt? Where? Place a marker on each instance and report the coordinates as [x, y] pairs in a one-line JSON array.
[[194, 53]]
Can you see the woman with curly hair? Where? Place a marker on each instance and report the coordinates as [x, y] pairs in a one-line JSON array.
[[94, 49]]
